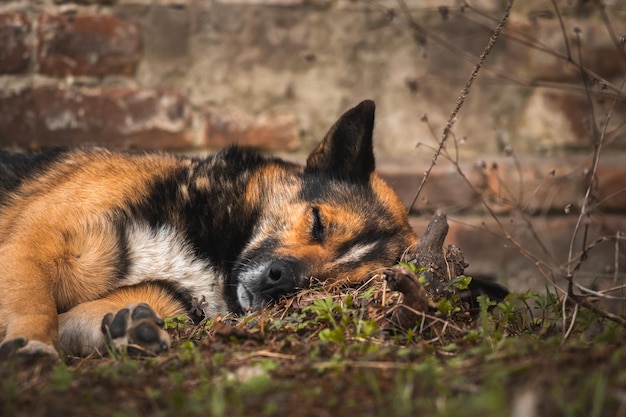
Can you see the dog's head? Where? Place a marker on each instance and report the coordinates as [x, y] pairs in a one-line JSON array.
[[333, 220]]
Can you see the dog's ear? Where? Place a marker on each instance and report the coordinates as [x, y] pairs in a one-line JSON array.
[[347, 149]]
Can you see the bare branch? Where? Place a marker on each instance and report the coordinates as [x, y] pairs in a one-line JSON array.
[[464, 93]]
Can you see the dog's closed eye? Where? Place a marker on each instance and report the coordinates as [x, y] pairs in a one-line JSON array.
[[318, 228]]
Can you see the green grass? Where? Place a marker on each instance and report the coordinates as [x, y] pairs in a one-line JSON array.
[[336, 354]]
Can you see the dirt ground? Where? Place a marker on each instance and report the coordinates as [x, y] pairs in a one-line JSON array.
[[335, 353]]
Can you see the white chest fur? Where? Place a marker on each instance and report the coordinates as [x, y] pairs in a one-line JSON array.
[[163, 254]]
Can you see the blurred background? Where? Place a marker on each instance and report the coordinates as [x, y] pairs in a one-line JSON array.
[[532, 176]]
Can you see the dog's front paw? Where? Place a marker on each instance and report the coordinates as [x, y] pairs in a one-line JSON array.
[[137, 330], [28, 351]]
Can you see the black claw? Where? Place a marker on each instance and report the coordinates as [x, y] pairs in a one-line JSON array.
[[9, 347], [119, 323], [106, 323]]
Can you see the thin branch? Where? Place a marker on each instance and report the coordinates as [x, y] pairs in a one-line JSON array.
[[616, 257], [572, 321], [565, 38], [530, 42], [609, 27], [464, 93], [601, 294], [597, 148], [597, 310]]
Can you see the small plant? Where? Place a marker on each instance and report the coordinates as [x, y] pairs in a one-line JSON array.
[[460, 283], [344, 319], [449, 303], [177, 323]]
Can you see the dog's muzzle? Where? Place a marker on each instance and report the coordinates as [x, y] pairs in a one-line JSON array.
[[266, 282]]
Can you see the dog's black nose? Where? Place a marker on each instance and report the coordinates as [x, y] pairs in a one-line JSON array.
[[278, 279]]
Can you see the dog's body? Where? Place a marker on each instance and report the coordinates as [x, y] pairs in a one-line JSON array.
[[97, 243]]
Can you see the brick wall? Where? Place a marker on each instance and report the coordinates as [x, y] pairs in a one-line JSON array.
[[69, 77], [189, 75]]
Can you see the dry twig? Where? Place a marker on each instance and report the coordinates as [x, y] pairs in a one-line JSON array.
[[464, 93]]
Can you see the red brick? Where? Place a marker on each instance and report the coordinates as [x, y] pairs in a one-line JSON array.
[[611, 186], [232, 126], [598, 52], [555, 120], [548, 184], [14, 52], [96, 45], [87, 2], [444, 189], [120, 117]]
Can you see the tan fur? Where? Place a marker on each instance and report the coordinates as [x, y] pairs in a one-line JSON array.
[[55, 242]]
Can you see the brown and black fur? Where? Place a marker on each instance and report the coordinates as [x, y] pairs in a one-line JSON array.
[[97, 245]]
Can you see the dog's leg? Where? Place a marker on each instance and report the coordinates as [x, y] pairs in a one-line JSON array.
[[126, 319], [27, 306]]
